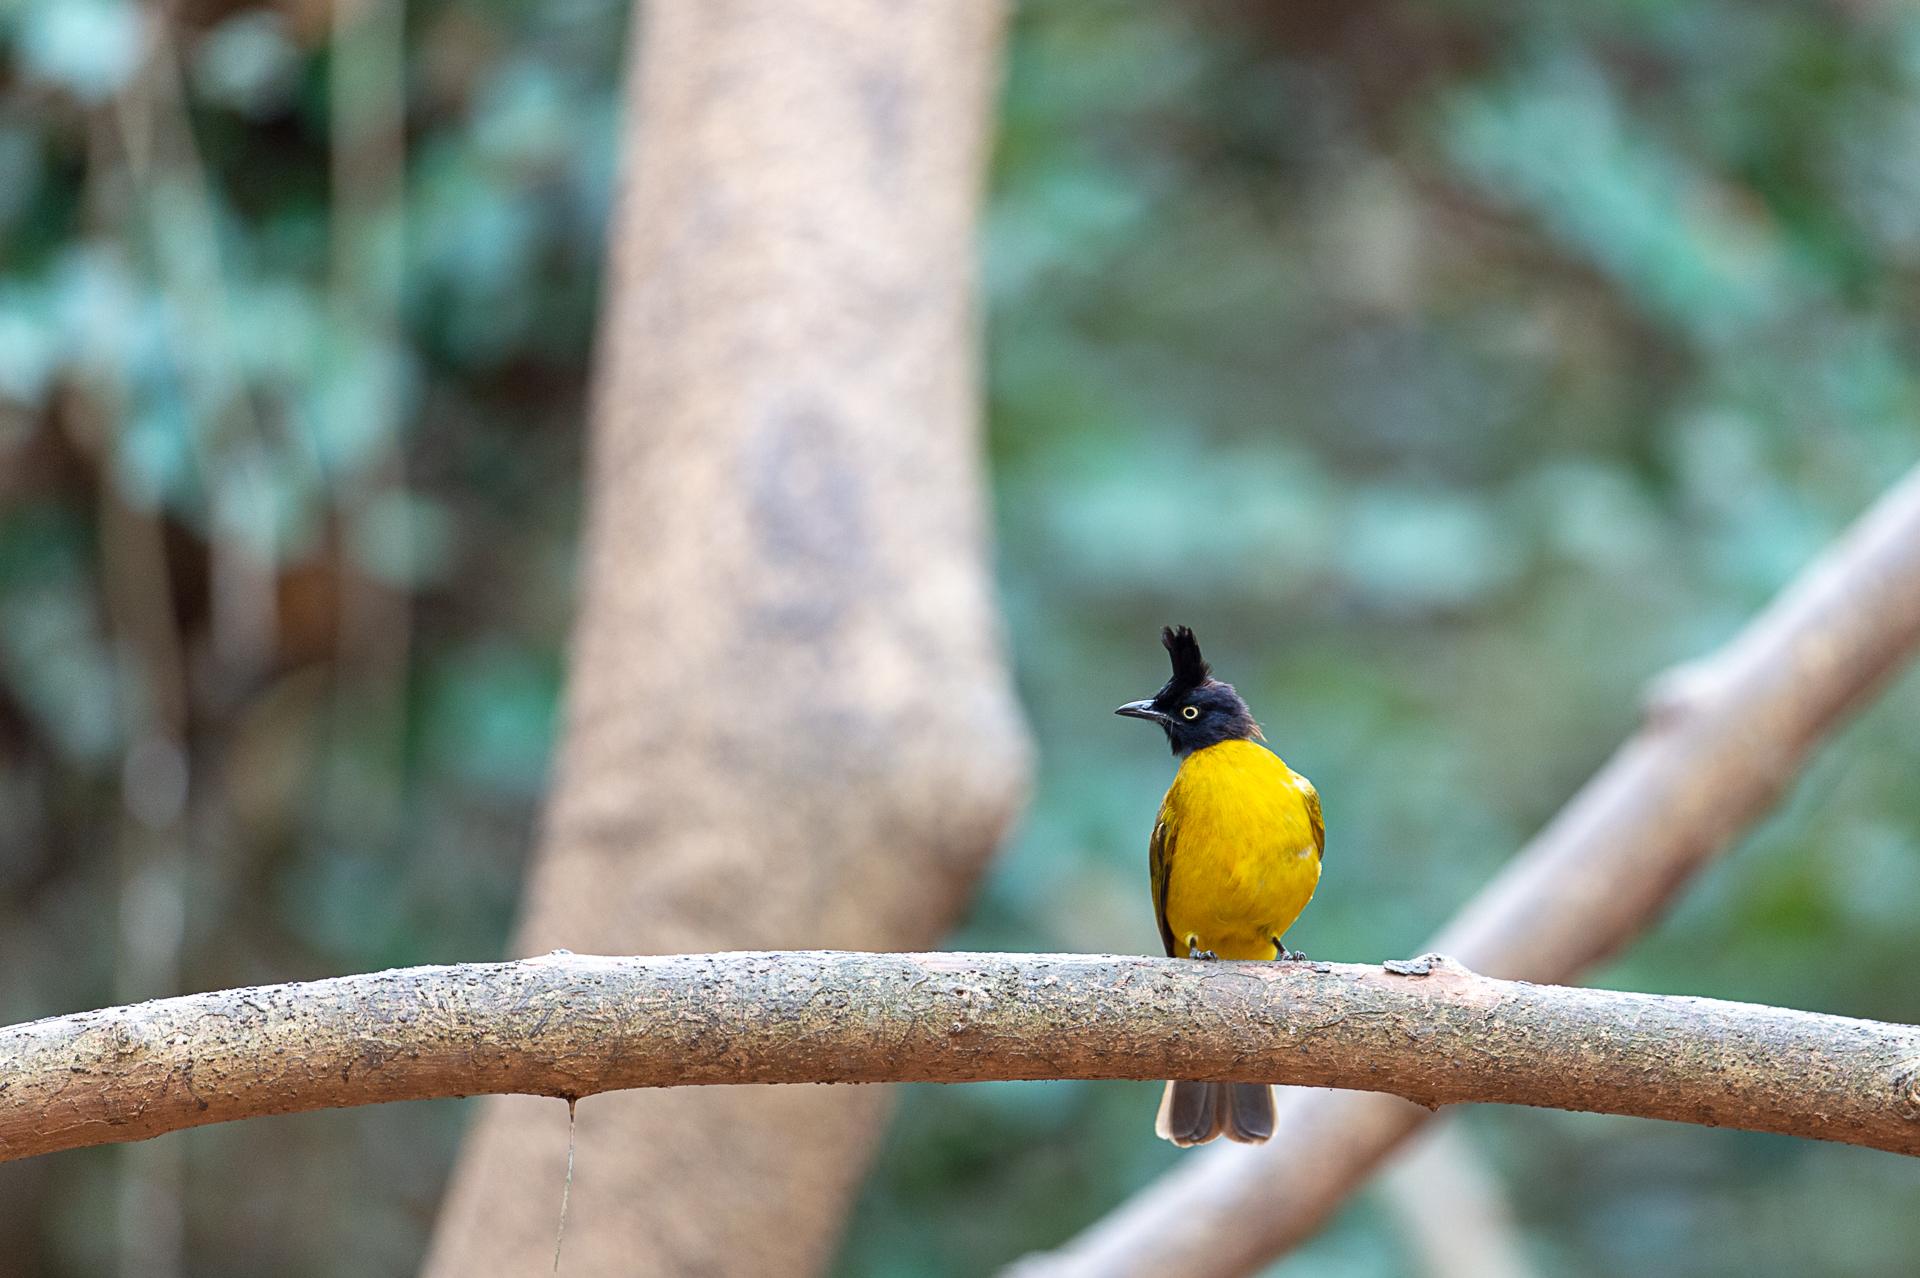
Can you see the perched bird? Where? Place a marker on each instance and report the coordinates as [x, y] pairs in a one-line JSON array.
[[1235, 857]]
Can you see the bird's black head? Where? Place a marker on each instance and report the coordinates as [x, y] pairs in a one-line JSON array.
[[1196, 709]]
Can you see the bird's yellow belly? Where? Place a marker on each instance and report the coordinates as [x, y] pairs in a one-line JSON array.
[[1246, 863], [1239, 904]]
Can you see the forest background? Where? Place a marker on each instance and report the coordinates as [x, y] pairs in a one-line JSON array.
[[1453, 369]]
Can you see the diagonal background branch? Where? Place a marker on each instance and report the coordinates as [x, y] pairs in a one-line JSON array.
[[1722, 738], [1453, 1210], [571, 1025]]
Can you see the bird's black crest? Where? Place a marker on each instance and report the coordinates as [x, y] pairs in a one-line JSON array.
[[1190, 669]]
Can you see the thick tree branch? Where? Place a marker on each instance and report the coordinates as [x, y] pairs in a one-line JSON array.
[[1722, 738], [572, 1025]]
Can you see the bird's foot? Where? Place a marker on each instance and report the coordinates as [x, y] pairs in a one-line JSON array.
[[1284, 955], [1194, 951]]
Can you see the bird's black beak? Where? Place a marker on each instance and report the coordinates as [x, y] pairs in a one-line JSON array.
[[1142, 710]]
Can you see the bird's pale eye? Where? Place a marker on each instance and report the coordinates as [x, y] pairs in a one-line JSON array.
[[1190, 712]]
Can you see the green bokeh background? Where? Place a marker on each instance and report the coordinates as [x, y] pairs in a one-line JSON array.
[[1453, 368]]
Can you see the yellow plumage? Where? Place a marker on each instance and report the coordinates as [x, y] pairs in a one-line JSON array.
[[1236, 852]]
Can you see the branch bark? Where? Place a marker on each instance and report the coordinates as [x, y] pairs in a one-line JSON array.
[[572, 1026], [1722, 739]]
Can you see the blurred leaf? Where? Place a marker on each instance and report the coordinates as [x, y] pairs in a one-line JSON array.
[[29, 346], [1409, 550], [1552, 141], [358, 392], [404, 539], [154, 461], [248, 63], [88, 47], [489, 720], [52, 655], [20, 173]]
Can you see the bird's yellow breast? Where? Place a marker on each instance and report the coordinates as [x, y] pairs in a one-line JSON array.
[[1241, 849]]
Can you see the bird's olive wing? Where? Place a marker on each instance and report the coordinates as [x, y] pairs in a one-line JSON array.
[[1314, 819], [1160, 862]]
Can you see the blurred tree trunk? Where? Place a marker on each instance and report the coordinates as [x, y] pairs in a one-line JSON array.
[[790, 719]]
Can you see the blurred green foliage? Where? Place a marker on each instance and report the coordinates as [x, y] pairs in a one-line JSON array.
[[1452, 368]]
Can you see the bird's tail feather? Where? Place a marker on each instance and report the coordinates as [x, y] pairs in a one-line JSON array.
[[1195, 1113]]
